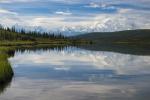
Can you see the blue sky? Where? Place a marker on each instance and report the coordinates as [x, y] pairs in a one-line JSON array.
[[72, 13]]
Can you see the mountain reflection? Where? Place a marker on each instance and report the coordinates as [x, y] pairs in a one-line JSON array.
[[75, 59]]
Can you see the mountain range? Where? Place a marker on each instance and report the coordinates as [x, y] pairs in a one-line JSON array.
[[108, 25]]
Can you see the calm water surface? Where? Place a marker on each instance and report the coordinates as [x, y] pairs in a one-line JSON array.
[[78, 74]]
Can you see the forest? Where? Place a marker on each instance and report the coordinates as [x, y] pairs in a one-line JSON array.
[[7, 33], [12, 36]]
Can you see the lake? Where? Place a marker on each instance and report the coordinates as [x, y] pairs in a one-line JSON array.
[[72, 73]]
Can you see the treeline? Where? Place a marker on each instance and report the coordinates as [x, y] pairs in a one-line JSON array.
[[14, 34]]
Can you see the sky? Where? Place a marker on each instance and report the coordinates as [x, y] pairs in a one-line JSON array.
[[98, 15]]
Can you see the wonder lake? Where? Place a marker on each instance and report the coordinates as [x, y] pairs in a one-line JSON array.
[[72, 73]]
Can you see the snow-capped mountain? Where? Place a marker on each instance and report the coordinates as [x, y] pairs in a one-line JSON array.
[[107, 25]]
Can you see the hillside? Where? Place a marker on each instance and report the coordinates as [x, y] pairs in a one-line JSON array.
[[129, 36]]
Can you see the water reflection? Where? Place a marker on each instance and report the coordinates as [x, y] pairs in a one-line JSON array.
[[75, 59], [134, 49], [76, 74]]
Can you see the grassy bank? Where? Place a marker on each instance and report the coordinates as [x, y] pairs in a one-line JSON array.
[[6, 71], [46, 42]]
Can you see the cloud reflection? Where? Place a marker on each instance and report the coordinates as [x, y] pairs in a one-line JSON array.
[[120, 63]]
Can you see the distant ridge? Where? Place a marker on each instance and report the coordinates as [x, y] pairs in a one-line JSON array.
[[130, 36]]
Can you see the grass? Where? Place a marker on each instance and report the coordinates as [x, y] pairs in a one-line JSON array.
[[6, 71], [48, 42]]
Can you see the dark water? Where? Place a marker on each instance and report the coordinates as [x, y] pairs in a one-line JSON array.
[[77, 74]]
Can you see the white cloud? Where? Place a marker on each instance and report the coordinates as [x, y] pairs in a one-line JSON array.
[[12, 1], [59, 1], [4, 11], [4, 1], [100, 5], [96, 5], [63, 13], [122, 11]]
